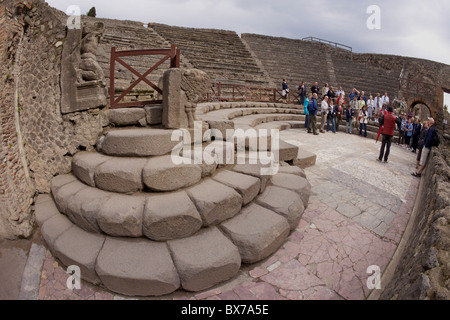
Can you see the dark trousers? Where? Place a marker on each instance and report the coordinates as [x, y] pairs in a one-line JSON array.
[[306, 120], [312, 125], [361, 126], [385, 145]]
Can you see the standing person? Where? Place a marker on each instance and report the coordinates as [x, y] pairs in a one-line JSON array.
[[349, 113], [423, 134], [377, 106], [403, 104], [331, 94], [352, 94], [363, 97], [315, 88], [340, 91], [361, 105], [331, 117], [364, 118], [325, 90], [302, 89], [285, 91], [385, 99], [416, 135], [409, 130], [324, 112], [427, 145], [355, 106], [340, 99], [370, 105], [313, 108], [401, 132], [339, 112], [306, 111], [388, 123]]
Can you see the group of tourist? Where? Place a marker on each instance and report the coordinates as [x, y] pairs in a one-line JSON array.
[[334, 107]]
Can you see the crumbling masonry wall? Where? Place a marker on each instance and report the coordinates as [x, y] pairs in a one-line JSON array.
[[38, 142]]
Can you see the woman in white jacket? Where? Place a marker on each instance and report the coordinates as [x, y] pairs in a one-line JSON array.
[[363, 120], [370, 107]]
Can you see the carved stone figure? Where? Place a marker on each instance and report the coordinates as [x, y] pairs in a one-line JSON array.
[[90, 70]]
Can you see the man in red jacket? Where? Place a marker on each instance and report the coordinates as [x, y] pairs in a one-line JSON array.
[[388, 120]]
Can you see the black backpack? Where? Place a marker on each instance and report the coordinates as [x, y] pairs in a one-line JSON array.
[[435, 140]]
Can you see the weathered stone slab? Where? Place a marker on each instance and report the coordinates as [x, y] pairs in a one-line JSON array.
[[257, 232], [287, 151], [64, 194], [78, 247], [45, 209], [53, 228], [121, 216], [305, 159], [61, 180], [138, 142], [174, 115], [84, 164], [137, 267], [221, 126], [162, 174], [126, 116], [153, 114], [170, 216], [295, 183], [214, 201], [205, 259], [247, 186], [285, 202], [123, 175], [84, 206], [255, 171]]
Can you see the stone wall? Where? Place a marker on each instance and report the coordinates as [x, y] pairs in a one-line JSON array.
[[38, 142], [423, 270]]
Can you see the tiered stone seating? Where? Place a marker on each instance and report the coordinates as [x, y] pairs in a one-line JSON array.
[[299, 60], [140, 224], [219, 53]]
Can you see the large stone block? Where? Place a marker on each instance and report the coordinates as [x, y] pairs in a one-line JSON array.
[[137, 267], [153, 114], [121, 216], [205, 259], [123, 175], [214, 201], [126, 116], [285, 202], [257, 232], [64, 194], [174, 115], [255, 170], [45, 209], [78, 247], [295, 183], [138, 142], [162, 174], [170, 216], [53, 228], [247, 186], [305, 159], [84, 164]]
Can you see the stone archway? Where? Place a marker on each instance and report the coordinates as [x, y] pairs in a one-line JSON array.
[[415, 101]]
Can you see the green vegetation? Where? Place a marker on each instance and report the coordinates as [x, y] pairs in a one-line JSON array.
[[92, 12]]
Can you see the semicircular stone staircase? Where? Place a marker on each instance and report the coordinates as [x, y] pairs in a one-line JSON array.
[[143, 222]]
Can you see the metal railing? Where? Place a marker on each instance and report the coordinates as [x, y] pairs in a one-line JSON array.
[[173, 54], [232, 91]]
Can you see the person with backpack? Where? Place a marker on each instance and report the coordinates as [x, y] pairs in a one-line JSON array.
[[431, 140], [423, 134], [302, 92], [331, 117], [349, 113]]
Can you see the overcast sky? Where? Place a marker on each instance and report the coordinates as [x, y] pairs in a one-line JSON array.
[[415, 28]]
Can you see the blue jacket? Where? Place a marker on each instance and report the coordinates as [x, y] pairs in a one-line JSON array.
[[427, 142], [284, 85], [349, 113], [313, 107], [305, 106]]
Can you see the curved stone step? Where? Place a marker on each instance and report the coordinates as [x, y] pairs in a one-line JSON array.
[[137, 267], [247, 186], [295, 183], [137, 142], [205, 259], [284, 202], [257, 232], [129, 175]]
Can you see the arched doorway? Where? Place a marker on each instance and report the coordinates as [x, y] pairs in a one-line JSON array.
[[421, 111]]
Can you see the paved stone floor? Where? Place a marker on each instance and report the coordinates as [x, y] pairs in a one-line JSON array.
[[356, 216]]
